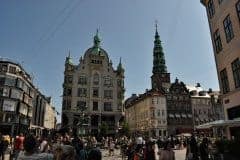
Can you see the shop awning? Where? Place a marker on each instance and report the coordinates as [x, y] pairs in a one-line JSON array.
[[177, 115], [220, 123], [184, 115]]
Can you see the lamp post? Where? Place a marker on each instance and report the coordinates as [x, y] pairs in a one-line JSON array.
[[82, 121]]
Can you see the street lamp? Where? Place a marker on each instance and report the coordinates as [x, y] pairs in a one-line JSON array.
[[82, 120]]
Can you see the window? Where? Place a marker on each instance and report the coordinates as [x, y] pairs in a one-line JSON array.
[[19, 83], [67, 104], [3, 68], [95, 92], [228, 28], [211, 9], [236, 72], [107, 81], [159, 113], [68, 79], [217, 41], [108, 94], [224, 80], [12, 69], [119, 83], [96, 61], [9, 81], [17, 94], [163, 113], [95, 106], [82, 92], [238, 9], [152, 113], [107, 106], [220, 1], [2, 80], [95, 79], [67, 92], [82, 80], [4, 92], [81, 105]]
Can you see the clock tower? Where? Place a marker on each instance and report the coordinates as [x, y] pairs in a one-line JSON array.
[[160, 77]]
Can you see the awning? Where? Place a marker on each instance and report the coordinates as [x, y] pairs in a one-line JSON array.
[[189, 115], [177, 115], [171, 115], [184, 115], [220, 123]]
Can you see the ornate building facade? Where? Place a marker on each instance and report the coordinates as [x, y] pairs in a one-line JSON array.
[[179, 109], [93, 92]]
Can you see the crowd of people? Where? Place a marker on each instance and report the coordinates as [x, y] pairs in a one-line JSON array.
[[65, 147]]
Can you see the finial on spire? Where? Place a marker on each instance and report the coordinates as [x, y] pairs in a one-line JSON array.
[[156, 25], [69, 53], [97, 32], [97, 39], [156, 32]]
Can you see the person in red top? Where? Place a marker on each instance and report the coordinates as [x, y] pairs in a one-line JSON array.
[[18, 144]]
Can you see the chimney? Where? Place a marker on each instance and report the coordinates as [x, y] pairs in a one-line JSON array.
[[198, 85]]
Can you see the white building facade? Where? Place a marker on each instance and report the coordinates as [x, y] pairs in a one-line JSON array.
[[93, 92]]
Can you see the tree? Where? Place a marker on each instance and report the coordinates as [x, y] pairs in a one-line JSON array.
[[125, 129], [103, 129]]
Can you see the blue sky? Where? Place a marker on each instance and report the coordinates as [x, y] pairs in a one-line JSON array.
[[39, 34]]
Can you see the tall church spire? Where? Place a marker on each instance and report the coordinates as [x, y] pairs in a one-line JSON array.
[[159, 65], [160, 77]]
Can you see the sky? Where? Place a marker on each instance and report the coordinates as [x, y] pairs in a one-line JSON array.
[[39, 35]]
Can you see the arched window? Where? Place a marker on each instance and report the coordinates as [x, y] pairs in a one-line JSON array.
[[96, 79]]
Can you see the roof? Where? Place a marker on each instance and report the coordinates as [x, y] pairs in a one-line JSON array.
[[135, 99], [197, 91]]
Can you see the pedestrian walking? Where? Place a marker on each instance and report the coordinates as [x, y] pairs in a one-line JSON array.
[[30, 151], [192, 149], [167, 153], [204, 151], [1, 147]]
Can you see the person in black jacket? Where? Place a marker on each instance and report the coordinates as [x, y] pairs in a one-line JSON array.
[[1, 147], [204, 151]]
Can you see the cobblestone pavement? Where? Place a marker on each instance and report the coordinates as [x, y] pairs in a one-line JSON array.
[[179, 155]]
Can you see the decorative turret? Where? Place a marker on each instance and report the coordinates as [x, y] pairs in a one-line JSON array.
[[69, 59], [120, 69], [158, 56]]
